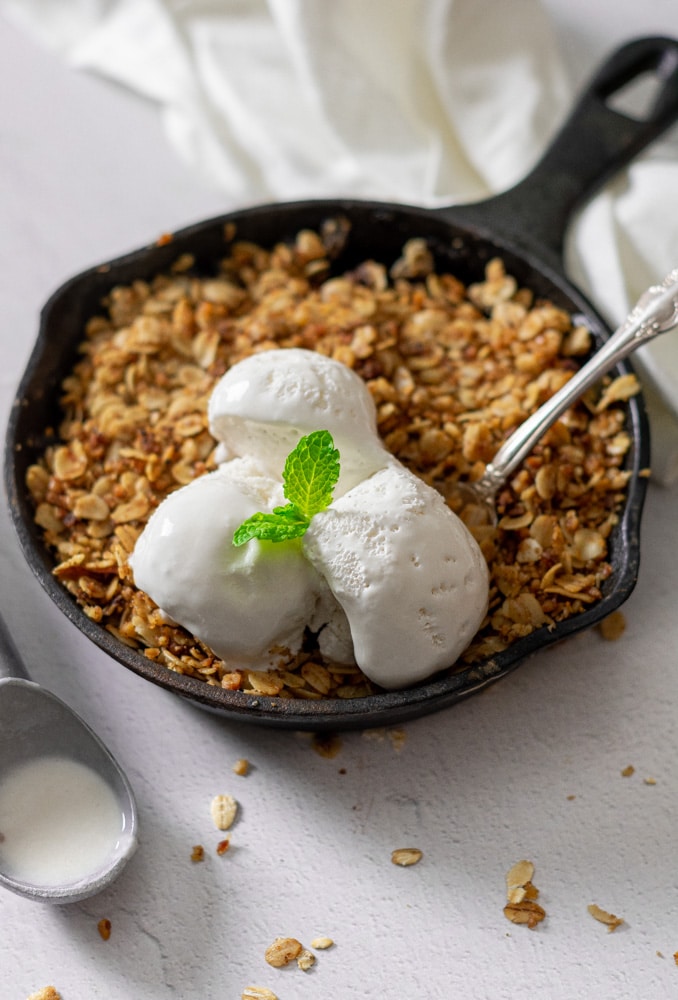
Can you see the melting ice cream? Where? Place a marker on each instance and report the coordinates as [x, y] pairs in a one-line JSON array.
[[387, 575]]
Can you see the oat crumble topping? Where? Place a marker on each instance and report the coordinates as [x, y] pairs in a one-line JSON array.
[[452, 370]]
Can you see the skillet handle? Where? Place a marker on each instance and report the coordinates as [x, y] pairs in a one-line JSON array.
[[593, 144]]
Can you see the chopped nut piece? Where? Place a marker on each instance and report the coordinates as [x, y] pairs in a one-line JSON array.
[[223, 846], [628, 771], [104, 928], [675, 957], [406, 856], [282, 951], [604, 917], [198, 853], [258, 993], [321, 943], [241, 767], [305, 960], [612, 627], [46, 993], [223, 809], [525, 912]]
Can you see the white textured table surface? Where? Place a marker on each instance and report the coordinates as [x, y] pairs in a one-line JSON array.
[[532, 768]]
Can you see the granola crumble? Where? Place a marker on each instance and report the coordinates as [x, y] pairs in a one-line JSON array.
[[452, 370]]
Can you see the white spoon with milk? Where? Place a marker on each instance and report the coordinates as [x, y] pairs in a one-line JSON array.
[[68, 820]]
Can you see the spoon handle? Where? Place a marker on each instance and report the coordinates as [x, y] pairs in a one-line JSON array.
[[655, 312], [11, 664]]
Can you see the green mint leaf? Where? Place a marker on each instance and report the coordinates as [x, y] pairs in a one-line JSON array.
[[309, 477], [311, 473], [280, 525]]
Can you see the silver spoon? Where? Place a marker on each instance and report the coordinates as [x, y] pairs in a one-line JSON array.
[[38, 730], [655, 312]]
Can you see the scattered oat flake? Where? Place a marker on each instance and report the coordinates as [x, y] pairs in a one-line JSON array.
[[525, 912], [571, 798], [604, 917], [46, 993], [406, 856], [521, 894], [223, 810], [628, 771], [612, 627], [305, 959], [223, 846], [258, 993], [650, 781], [104, 928], [519, 875], [198, 853], [321, 943], [282, 951], [241, 767]]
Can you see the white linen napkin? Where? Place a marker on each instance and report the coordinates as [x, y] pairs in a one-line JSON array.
[[431, 103]]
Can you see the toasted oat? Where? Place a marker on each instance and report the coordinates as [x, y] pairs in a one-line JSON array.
[[223, 846], [198, 853], [46, 993], [517, 880], [283, 951], [525, 912], [452, 370], [322, 943], [521, 894], [628, 771], [104, 928], [604, 917], [650, 781], [305, 960], [258, 993], [223, 809], [406, 856], [241, 767], [612, 627]]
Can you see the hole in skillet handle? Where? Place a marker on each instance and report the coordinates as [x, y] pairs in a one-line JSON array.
[[645, 88]]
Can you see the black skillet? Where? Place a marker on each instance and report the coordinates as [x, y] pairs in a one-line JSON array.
[[525, 226]]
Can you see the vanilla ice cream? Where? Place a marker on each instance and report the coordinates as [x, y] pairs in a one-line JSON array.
[[407, 572], [266, 403], [239, 601], [386, 576]]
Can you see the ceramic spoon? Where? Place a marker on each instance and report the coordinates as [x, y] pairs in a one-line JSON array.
[[68, 819], [655, 312]]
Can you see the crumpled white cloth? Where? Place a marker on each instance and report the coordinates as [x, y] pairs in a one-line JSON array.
[[431, 103]]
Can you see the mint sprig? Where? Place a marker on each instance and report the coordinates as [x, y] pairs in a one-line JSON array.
[[309, 477]]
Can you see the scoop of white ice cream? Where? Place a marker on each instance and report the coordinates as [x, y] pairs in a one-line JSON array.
[[240, 601], [267, 402], [408, 574]]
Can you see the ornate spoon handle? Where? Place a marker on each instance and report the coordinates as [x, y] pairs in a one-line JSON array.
[[655, 312]]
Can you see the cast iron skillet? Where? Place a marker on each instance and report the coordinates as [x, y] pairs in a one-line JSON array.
[[525, 226]]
